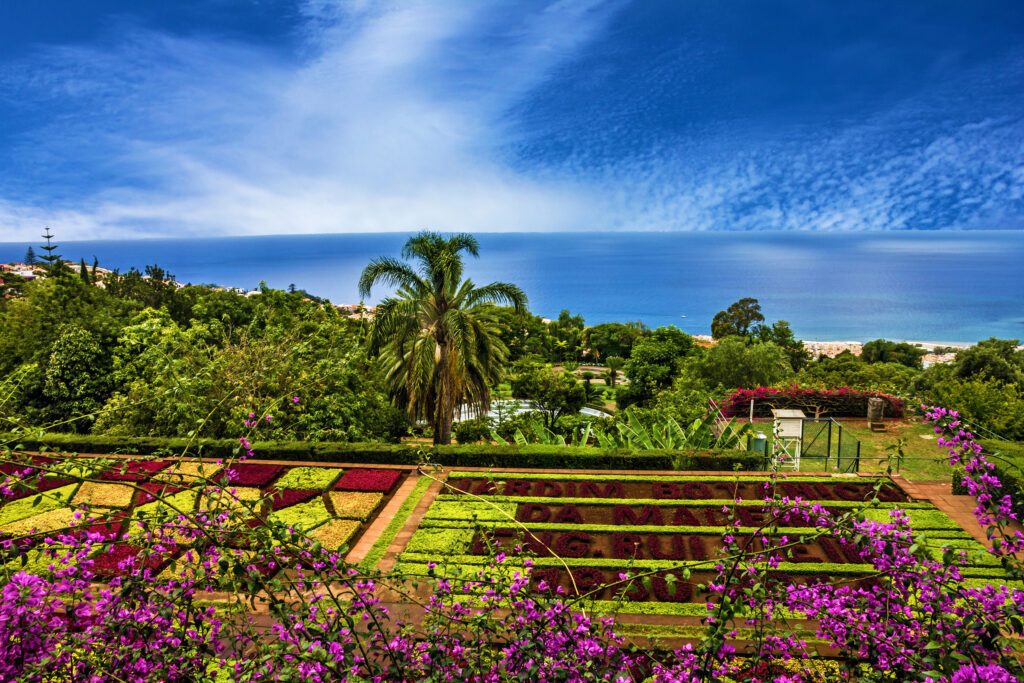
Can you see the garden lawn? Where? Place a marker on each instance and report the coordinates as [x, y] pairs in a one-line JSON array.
[[923, 461]]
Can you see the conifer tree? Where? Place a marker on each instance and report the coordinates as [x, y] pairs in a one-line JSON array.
[[30, 257], [52, 259], [83, 272]]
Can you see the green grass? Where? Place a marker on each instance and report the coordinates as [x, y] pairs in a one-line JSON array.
[[924, 460]]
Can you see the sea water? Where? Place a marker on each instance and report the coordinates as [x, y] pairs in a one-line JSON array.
[[936, 286]]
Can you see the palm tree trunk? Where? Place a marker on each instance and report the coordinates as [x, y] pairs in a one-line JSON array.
[[444, 411]]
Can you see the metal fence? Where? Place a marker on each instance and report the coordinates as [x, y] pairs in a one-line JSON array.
[[824, 441]]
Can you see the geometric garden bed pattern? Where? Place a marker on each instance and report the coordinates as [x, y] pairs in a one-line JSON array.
[[333, 505], [585, 531]]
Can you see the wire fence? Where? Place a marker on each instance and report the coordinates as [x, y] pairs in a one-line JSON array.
[[824, 446]]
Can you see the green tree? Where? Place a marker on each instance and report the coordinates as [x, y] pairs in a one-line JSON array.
[[996, 359], [995, 405], [553, 393], [54, 264], [568, 334], [848, 370], [885, 351], [436, 335], [75, 381], [612, 339], [614, 365], [736, 363], [740, 319], [523, 333], [781, 334], [685, 401], [655, 362], [30, 257]]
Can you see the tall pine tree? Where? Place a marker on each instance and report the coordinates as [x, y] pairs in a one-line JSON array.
[[30, 257], [54, 264]]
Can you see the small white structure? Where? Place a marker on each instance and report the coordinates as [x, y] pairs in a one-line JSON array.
[[788, 430]]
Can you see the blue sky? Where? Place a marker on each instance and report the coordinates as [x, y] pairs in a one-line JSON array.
[[128, 118]]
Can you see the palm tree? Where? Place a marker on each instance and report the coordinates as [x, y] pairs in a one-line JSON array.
[[436, 336], [614, 363]]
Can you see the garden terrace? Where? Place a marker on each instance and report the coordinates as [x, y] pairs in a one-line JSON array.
[[334, 505], [586, 530]]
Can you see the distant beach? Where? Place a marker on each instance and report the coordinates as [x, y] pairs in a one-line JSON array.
[[959, 287]]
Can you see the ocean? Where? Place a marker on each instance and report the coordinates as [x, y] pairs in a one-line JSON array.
[[934, 286]]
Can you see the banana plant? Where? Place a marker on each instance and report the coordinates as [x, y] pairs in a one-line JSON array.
[[670, 435], [537, 433]]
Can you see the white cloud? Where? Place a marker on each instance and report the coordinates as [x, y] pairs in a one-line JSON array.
[[392, 120], [396, 116]]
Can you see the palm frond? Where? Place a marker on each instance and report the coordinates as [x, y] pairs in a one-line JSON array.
[[502, 293], [389, 272]]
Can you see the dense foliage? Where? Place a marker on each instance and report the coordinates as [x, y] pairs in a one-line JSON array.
[[142, 356]]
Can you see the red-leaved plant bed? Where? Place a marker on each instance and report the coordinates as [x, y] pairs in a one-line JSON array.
[[378, 481], [288, 497], [134, 470], [151, 490], [251, 474], [38, 486]]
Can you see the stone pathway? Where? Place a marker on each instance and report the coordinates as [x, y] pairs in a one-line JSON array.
[[939, 493]]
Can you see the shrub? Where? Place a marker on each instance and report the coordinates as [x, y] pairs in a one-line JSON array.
[[472, 431], [474, 455], [844, 402]]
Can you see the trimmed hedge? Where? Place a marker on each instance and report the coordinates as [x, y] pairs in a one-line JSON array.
[[482, 455]]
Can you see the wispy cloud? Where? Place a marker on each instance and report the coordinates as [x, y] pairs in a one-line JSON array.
[[391, 118], [405, 115]]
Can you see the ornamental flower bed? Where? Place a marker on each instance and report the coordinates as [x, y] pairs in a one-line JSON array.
[[379, 481], [287, 498], [899, 613], [585, 531], [151, 490], [134, 470], [251, 474]]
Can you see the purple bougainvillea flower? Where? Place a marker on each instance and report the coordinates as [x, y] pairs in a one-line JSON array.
[[381, 481], [113, 562]]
